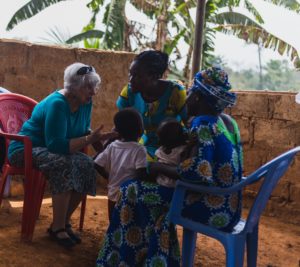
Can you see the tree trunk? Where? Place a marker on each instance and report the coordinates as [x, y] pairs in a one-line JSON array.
[[162, 26], [186, 70], [127, 33]]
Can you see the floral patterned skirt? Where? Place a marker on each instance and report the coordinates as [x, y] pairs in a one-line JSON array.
[[63, 172], [140, 233]]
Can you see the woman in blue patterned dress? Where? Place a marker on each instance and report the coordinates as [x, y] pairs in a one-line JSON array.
[[153, 97], [140, 233]]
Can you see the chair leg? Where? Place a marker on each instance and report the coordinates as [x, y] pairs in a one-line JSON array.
[[252, 243], [40, 188], [235, 249], [34, 191], [3, 182], [28, 209], [188, 247], [82, 213]]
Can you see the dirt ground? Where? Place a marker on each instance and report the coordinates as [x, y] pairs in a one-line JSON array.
[[279, 243]]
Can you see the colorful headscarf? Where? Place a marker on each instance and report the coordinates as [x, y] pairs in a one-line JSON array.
[[213, 84]]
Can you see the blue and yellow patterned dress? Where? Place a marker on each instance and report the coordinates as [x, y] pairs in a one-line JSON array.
[[170, 105], [140, 233], [218, 163]]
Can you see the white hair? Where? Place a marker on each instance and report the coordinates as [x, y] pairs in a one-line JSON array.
[[74, 81]]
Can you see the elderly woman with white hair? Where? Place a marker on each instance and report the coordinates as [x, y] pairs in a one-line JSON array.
[[59, 128]]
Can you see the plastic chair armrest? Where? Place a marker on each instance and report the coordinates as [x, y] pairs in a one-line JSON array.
[[27, 149], [217, 190]]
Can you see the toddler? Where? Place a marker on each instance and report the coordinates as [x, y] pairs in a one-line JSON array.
[[124, 158]]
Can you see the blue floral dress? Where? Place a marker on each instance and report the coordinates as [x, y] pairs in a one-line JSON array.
[[218, 162], [140, 233]]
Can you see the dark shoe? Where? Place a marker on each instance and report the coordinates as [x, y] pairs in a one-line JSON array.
[[75, 237], [65, 242]]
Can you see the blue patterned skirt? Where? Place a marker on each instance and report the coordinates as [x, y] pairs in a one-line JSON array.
[[63, 172], [140, 233]]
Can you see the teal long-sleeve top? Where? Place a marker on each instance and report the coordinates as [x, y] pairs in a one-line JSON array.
[[52, 125]]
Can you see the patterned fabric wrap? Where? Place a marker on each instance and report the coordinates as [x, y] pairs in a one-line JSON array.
[[63, 172], [140, 233], [213, 84], [218, 163]]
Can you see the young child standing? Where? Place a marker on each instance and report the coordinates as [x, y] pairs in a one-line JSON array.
[[172, 140], [124, 158]]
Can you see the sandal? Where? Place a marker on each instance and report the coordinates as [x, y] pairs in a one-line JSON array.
[[75, 237], [65, 242]]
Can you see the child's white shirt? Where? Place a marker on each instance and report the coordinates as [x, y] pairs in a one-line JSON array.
[[120, 160], [172, 159]]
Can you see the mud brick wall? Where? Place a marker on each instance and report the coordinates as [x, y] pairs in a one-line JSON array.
[[269, 122], [37, 70], [270, 125]]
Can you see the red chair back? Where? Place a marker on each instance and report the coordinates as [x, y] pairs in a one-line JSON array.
[[14, 111]]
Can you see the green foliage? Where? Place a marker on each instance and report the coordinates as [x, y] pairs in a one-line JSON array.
[[292, 5], [276, 76], [220, 16], [30, 9]]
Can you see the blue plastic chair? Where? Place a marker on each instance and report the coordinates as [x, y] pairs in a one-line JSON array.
[[246, 231]]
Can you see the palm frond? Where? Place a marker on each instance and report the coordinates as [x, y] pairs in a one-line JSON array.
[[292, 5], [30, 9], [233, 18], [251, 8], [114, 19], [258, 35], [172, 43], [228, 3], [148, 7], [85, 35], [56, 35]]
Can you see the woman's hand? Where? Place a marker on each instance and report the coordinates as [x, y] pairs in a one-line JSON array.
[[97, 135]]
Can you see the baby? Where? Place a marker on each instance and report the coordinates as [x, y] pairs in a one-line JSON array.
[[172, 140]]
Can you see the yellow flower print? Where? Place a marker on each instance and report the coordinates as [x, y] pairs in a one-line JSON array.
[[134, 236], [214, 201], [125, 215], [141, 255], [159, 221], [204, 169], [192, 198], [225, 174], [164, 241], [187, 164]]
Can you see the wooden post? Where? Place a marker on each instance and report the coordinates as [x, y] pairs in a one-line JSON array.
[[198, 41]]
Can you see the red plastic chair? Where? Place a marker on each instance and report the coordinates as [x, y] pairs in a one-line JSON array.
[[14, 111]]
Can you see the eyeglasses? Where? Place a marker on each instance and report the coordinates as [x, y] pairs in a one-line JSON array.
[[85, 70]]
